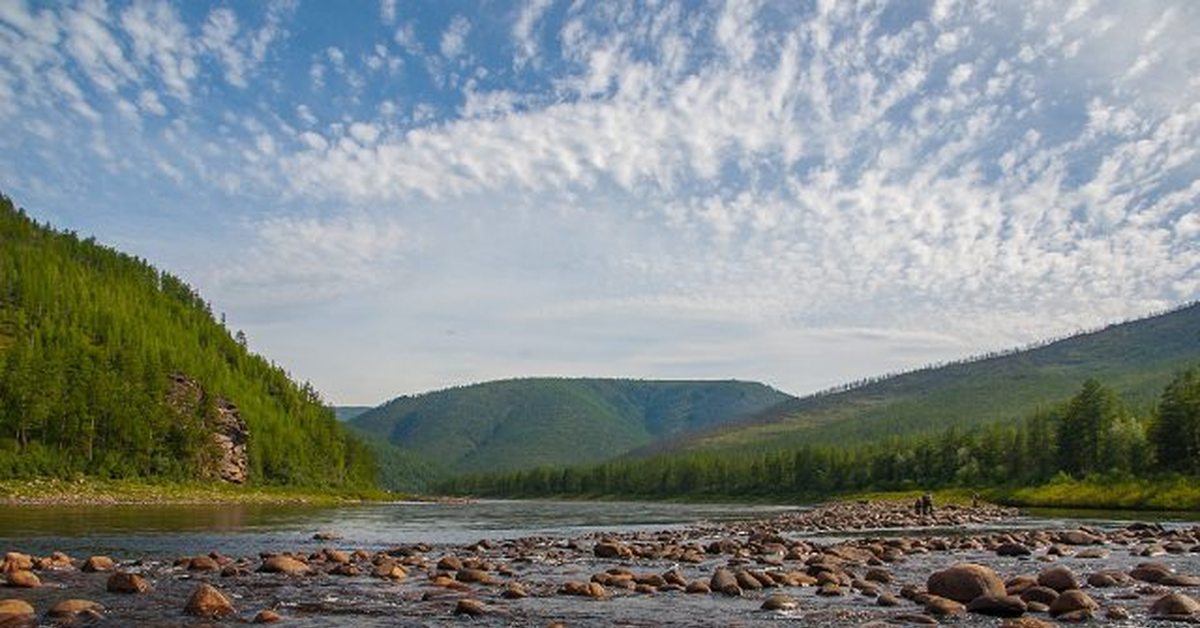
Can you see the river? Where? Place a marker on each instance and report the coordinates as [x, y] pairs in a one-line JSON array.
[[154, 536]]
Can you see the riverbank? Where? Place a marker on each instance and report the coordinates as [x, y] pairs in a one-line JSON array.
[[1158, 495], [856, 563], [114, 492]]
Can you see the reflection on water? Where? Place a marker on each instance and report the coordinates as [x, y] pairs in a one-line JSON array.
[[250, 528]]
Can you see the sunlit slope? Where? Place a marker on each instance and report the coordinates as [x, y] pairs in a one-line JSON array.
[[1136, 358]]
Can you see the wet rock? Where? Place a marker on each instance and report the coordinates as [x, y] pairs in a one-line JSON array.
[[1180, 580], [98, 563], [724, 581], [1018, 584], [473, 576], [965, 582], [390, 570], [449, 563], [1012, 549], [469, 606], [1026, 622], [830, 589], [283, 564], [203, 563], [698, 586], [1060, 578], [16, 561], [912, 619], [1037, 607], [1043, 595], [125, 582], [1072, 601], [73, 607], [1175, 606], [207, 601], [939, 606], [326, 535], [674, 577], [780, 602], [747, 582], [1116, 613], [22, 579], [1093, 553], [611, 549], [593, 590], [1107, 578], [875, 574], [1078, 537], [997, 606], [15, 610], [887, 600], [1150, 572], [514, 591], [56, 561], [267, 616]]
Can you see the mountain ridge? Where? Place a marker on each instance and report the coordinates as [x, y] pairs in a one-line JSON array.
[[523, 422]]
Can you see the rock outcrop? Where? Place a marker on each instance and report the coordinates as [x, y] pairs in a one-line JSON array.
[[222, 419]]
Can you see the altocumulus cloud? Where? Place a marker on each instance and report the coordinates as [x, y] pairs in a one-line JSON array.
[[744, 186]]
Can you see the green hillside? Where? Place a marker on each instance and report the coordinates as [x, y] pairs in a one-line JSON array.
[[1136, 359], [345, 413], [110, 368], [523, 423]]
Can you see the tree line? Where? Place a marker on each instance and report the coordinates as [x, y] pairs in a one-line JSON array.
[[1093, 433], [89, 341]]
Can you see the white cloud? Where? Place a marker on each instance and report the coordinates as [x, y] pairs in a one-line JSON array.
[[387, 11], [524, 31], [454, 39], [150, 103]]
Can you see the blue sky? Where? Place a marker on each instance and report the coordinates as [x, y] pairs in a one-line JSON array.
[[393, 197]]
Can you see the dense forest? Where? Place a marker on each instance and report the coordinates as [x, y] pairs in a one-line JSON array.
[[90, 341], [523, 423], [1092, 434]]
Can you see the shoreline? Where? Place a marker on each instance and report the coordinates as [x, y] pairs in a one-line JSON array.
[[91, 492]]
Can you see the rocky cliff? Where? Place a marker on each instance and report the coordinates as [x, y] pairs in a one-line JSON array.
[[221, 420]]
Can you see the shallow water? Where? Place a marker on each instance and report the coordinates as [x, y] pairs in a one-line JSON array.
[[164, 530], [158, 534]]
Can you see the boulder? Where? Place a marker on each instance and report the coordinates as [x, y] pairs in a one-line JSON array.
[[997, 606], [724, 581], [14, 609], [939, 606], [98, 563], [16, 561], [1107, 578], [449, 563], [514, 591], [267, 616], [283, 564], [203, 563], [471, 607], [965, 582], [1073, 601], [125, 582], [780, 602], [22, 579], [1059, 578], [1012, 549], [1026, 622], [207, 601], [1150, 572], [697, 586], [611, 549], [1040, 594], [1180, 580], [1174, 606], [71, 608]]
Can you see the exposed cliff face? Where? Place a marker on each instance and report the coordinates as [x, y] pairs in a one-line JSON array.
[[227, 459]]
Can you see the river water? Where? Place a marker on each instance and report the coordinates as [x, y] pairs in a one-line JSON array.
[[155, 535]]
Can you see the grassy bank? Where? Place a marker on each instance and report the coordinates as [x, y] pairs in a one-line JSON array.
[[92, 491], [1166, 494]]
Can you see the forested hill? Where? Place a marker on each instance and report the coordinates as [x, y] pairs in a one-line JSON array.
[[523, 423], [111, 368], [1136, 359]]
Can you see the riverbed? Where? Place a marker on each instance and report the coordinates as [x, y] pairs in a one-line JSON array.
[[540, 545]]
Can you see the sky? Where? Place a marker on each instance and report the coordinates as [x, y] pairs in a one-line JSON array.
[[398, 196]]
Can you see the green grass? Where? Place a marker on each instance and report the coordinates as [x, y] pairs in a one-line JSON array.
[[96, 491], [1161, 494]]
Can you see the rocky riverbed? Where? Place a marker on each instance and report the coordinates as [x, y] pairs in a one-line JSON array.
[[844, 564]]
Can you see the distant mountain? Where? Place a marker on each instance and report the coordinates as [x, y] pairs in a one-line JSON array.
[[524, 423], [112, 368], [345, 413], [1135, 358]]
